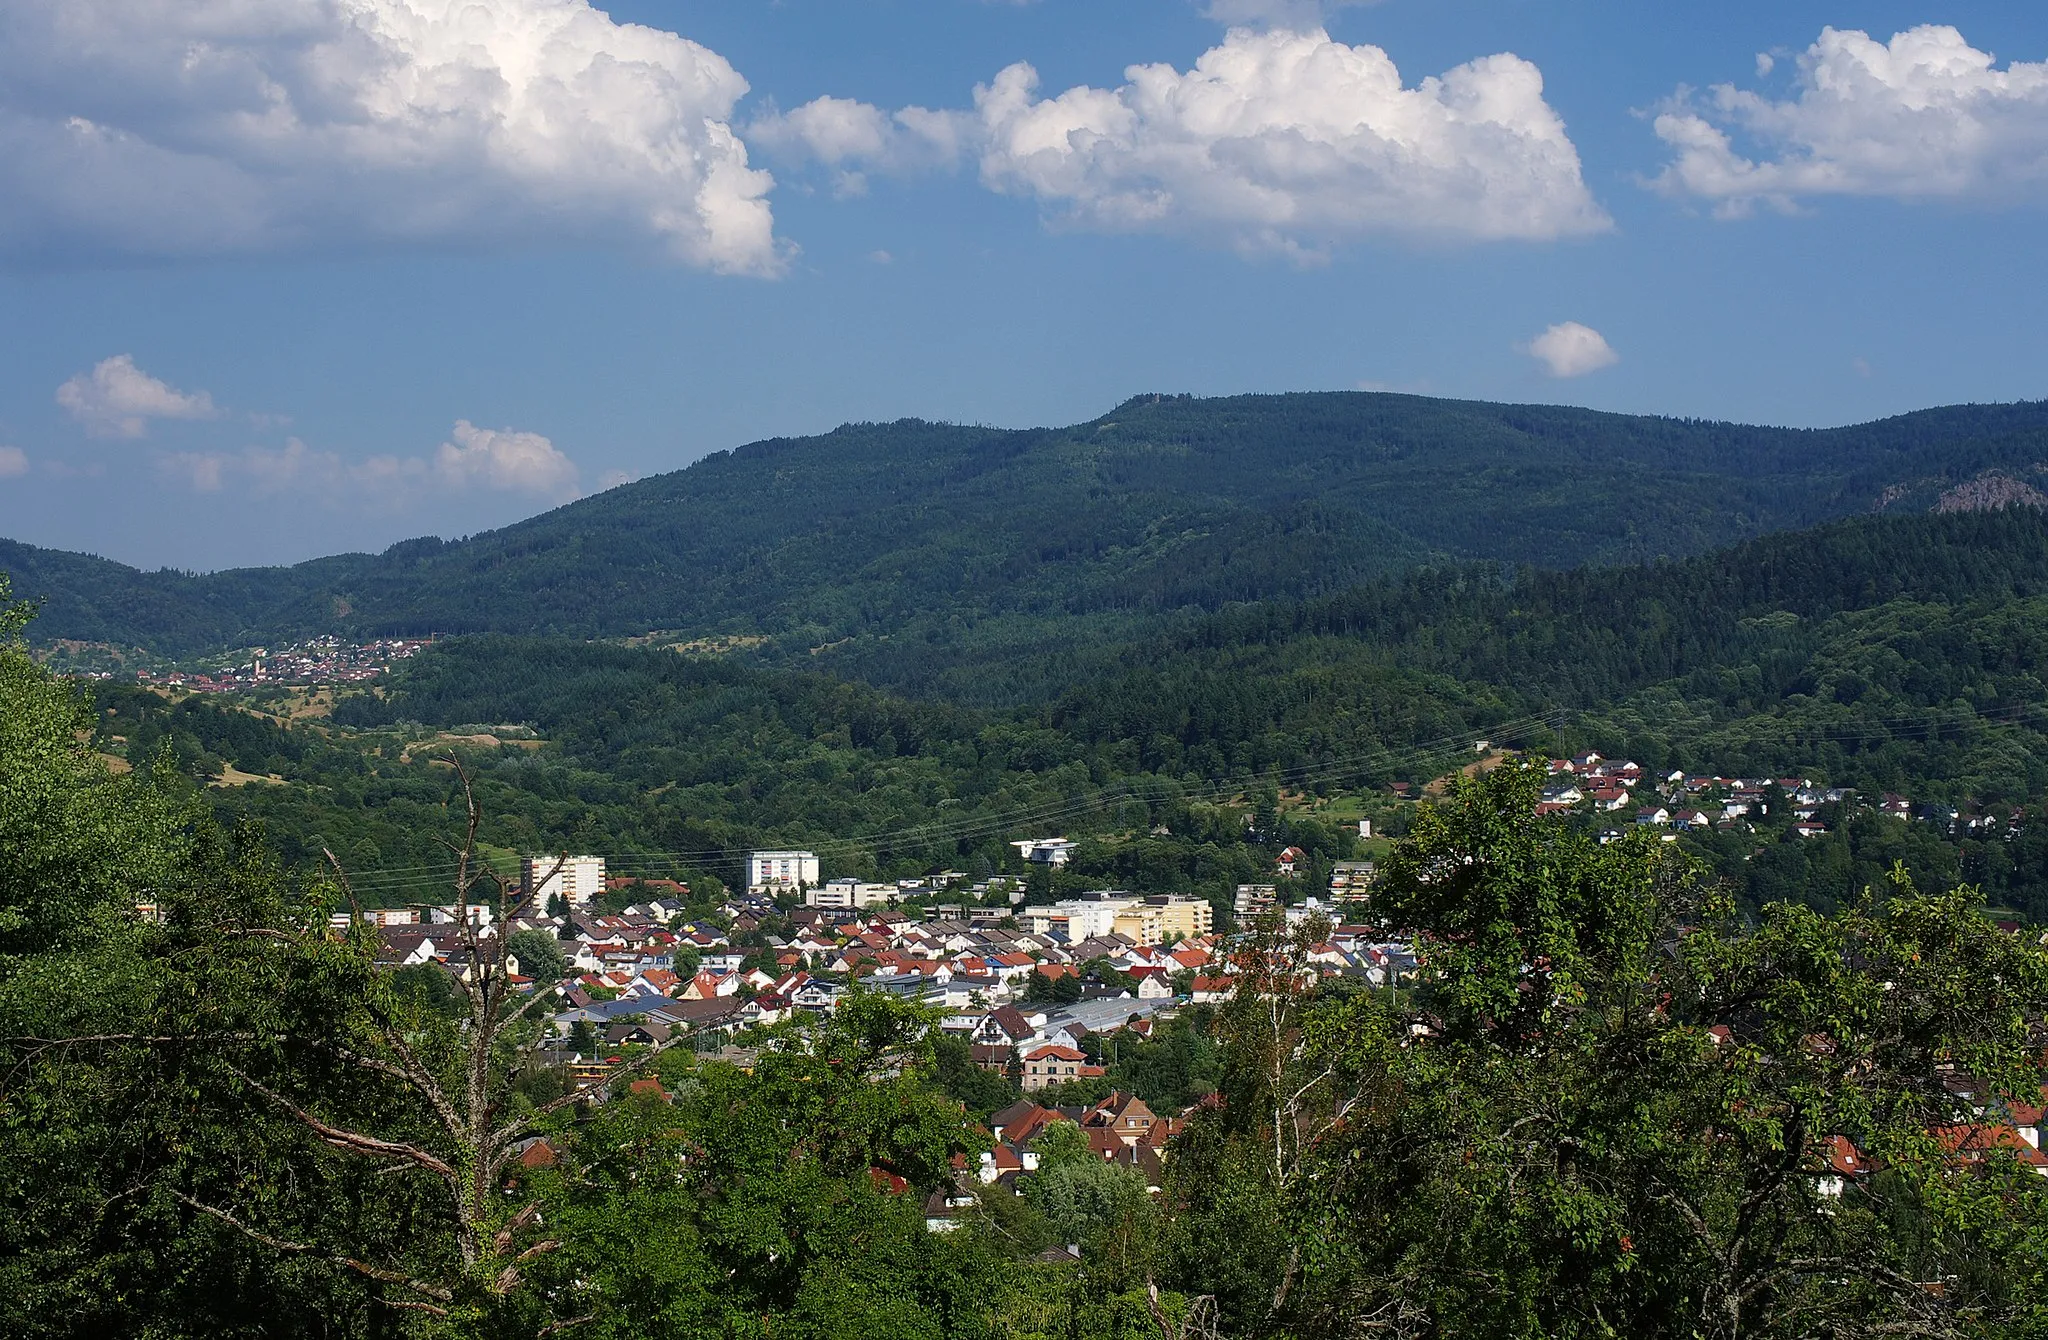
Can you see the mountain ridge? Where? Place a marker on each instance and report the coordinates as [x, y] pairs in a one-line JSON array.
[[1166, 503]]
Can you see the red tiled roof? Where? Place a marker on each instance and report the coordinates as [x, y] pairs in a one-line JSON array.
[[1974, 1142]]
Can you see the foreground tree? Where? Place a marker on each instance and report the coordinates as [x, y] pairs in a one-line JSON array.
[[1616, 1110], [220, 1116]]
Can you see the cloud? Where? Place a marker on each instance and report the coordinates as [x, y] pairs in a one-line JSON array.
[[138, 129], [855, 138], [1277, 141], [1569, 349], [502, 460], [13, 462], [1925, 116], [1294, 15], [118, 399]]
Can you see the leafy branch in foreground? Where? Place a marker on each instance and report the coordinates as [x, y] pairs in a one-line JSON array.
[[1615, 1108]]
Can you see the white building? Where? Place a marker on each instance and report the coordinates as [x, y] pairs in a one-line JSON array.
[[1054, 852], [577, 880], [780, 871], [850, 893], [1078, 918]]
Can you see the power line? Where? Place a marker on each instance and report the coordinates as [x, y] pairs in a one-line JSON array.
[[397, 879], [390, 880]]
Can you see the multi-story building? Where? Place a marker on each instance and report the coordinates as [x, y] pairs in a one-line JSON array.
[[781, 871], [1054, 1064], [1054, 851], [1253, 899], [1181, 918], [1081, 918], [1141, 923], [850, 893], [576, 879]]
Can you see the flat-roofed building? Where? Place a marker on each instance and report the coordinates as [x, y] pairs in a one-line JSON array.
[[1182, 918], [575, 879], [850, 893], [781, 871]]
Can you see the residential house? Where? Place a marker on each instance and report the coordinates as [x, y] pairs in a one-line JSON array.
[[1052, 1064]]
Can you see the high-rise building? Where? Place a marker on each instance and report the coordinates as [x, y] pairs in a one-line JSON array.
[[781, 871], [576, 879], [1181, 918]]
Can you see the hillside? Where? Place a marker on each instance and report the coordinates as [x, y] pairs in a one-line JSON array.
[[1882, 654], [1166, 504]]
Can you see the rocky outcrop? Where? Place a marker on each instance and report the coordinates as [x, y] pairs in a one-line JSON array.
[[1991, 492]]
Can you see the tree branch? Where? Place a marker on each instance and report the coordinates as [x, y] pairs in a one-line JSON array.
[[352, 1141], [362, 1268]]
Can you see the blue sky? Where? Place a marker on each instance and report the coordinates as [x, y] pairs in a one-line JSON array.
[[332, 285]]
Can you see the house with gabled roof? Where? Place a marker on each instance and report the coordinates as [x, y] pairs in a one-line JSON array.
[[1053, 1064], [1008, 1026]]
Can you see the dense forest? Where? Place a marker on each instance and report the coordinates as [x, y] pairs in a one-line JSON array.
[[945, 534], [1615, 1105], [1891, 655]]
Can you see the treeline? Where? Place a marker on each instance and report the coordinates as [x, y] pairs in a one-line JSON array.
[[1587, 633], [199, 735], [671, 764]]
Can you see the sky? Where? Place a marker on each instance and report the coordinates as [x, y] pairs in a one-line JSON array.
[[281, 278]]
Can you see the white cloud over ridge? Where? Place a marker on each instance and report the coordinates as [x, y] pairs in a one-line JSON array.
[[135, 128], [1923, 116], [1276, 141], [118, 399], [506, 460], [502, 460], [1569, 349]]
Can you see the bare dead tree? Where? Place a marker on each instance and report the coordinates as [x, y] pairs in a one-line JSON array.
[[463, 1098], [1275, 983], [1198, 1321]]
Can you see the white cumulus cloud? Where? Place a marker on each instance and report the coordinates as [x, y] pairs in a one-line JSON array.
[[1923, 116], [1569, 349], [136, 128], [1277, 140], [1294, 14], [854, 138], [13, 462], [502, 460], [118, 399]]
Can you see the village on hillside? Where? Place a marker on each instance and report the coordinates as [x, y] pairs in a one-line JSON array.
[[1039, 996], [1620, 791]]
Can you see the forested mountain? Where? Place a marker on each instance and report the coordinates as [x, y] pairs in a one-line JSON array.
[[951, 534], [1743, 1082], [1885, 654]]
